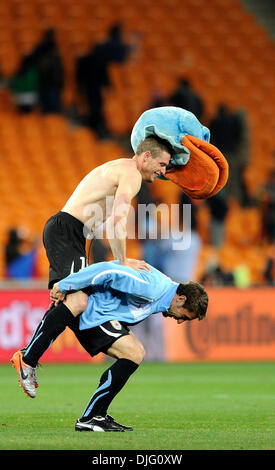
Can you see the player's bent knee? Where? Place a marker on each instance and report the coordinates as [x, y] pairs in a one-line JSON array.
[[135, 354], [127, 348], [140, 354]]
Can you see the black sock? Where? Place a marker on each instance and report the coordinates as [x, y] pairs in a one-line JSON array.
[[111, 382], [37, 329], [53, 324]]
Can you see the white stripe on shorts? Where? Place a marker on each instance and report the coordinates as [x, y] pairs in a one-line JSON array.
[[116, 335]]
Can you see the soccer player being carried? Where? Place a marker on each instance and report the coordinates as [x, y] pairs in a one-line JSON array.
[[103, 197], [119, 296]]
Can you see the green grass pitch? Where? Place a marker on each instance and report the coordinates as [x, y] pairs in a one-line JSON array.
[[202, 406]]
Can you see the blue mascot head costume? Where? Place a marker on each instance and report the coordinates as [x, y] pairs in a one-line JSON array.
[[197, 166], [171, 124]]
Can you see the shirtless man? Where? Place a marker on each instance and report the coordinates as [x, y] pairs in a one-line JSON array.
[[64, 239], [118, 181]]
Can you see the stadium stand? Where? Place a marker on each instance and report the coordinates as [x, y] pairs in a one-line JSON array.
[[227, 56]]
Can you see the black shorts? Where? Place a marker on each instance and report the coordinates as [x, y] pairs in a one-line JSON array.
[[100, 338], [65, 246]]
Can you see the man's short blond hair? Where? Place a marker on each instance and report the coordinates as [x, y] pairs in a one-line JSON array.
[[155, 145]]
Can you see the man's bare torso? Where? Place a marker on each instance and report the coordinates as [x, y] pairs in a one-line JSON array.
[[93, 198]]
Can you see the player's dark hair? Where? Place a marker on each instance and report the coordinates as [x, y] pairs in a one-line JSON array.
[[196, 298], [155, 145]]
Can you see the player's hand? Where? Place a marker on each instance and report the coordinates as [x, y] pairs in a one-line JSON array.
[[56, 295], [136, 264]]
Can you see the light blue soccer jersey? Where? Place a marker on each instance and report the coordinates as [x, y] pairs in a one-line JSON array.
[[120, 293]]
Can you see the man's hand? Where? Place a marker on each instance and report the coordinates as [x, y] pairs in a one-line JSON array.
[[136, 264], [56, 295]]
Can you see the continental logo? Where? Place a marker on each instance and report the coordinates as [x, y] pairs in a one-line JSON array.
[[244, 328]]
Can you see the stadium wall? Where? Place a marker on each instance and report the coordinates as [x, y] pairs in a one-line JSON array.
[[239, 327]]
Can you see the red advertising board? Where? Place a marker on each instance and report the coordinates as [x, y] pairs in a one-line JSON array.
[[239, 327]]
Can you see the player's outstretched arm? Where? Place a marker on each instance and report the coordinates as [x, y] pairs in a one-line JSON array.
[[129, 186]]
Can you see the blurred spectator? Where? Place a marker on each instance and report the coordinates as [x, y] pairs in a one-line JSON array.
[[269, 272], [185, 97], [24, 86], [13, 246], [215, 276], [47, 58], [116, 49], [218, 211], [180, 264], [92, 76], [229, 133], [267, 205], [20, 262], [222, 130], [240, 158]]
